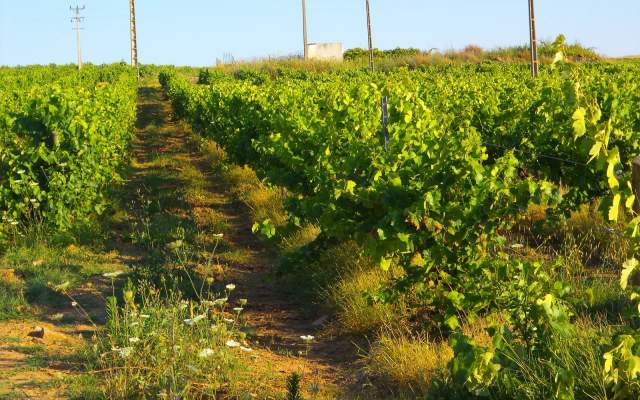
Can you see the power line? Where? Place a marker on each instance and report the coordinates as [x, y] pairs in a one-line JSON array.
[[78, 19]]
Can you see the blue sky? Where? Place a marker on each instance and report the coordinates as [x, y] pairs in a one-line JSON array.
[[196, 32]]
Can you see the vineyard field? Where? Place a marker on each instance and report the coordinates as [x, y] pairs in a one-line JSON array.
[[440, 189], [63, 139], [300, 230]]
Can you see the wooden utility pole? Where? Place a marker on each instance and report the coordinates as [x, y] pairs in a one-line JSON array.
[[134, 37], [371, 64], [78, 19], [304, 29], [533, 39]]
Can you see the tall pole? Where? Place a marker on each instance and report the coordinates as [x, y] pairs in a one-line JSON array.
[[77, 19], [304, 29], [134, 37], [533, 40], [371, 64]]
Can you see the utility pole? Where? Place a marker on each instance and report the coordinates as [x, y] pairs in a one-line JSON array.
[[134, 37], [78, 19], [304, 29], [371, 64], [533, 40]]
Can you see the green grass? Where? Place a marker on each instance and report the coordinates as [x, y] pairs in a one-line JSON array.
[[39, 267], [12, 300]]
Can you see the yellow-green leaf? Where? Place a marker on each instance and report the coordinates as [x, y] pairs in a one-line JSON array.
[[627, 269], [613, 160], [350, 187], [579, 125], [595, 151], [630, 202], [615, 208]]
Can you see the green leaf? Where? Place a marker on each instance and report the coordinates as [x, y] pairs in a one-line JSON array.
[[579, 124], [452, 322], [385, 264], [350, 187], [630, 202], [628, 268], [595, 151], [615, 208], [559, 57]]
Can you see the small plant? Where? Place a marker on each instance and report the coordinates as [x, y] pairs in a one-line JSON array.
[[293, 387]]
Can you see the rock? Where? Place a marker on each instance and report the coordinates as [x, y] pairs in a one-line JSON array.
[[37, 332]]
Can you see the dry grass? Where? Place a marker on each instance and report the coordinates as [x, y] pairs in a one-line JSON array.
[[264, 202], [267, 203], [241, 179], [585, 237], [209, 220], [299, 238], [355, 314], [216, 156], [407, 363]]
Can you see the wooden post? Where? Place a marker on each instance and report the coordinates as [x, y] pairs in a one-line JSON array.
[[304, 29], [78, 19], [533, 39], [385, 121], [133, 34], [635, 183], [370, 35]]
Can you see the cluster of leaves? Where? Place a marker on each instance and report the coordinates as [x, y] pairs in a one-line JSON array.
[[469, 150], [63, 138], [358, 53]]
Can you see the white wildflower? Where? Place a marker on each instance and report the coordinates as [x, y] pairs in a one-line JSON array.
[[232, 343], [125, 352], [194, 320], [134, 340], [112, 275], [206, 353], [307, 338], [230, 287]]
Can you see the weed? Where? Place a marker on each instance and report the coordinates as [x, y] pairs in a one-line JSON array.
[[162, 345], [293, 387]]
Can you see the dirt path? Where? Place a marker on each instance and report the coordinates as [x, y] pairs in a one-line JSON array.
[[40, 356], [274, 321]]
